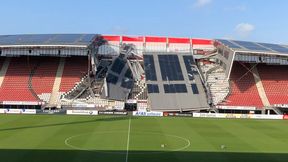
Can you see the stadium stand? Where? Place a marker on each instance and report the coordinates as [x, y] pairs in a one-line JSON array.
[[52, 70], [243, 88], [4, 64], [275, 81], [15, 84], [31, 79], [44, 76], [74, 69]]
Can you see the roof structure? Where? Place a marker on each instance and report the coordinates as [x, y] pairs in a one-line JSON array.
[[255, 47], [46, 39], [173, 78]]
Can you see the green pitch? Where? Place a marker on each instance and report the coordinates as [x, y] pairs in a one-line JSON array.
[[53, 138]]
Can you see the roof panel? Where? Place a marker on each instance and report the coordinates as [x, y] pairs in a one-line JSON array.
[[87, 37], [149, 67], [170, 67], [47, 39], [118, 65], [229, 44], [275, 47], [152, 88], [111, 78], [251, 46], [175, 88], [189, 62], [254, 46], [194, 89]]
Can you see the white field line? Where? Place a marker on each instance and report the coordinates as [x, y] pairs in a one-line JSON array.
[[128, 141]]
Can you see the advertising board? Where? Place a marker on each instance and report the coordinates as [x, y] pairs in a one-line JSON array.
[[237, 116], [112, 113], [143, 113], [82, 112], [177, 114], [18, 111]]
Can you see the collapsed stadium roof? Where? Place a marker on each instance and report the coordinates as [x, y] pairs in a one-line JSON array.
[[174, 78], [171, 72]]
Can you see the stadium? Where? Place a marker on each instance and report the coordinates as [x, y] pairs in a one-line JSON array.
[[188, 89]]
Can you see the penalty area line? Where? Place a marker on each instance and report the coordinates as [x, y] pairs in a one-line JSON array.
[[128, 141]]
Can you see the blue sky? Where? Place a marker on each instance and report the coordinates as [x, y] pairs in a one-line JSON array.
[[255, 20]]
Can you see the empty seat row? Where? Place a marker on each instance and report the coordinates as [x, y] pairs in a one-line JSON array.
[[243, 90], [275, 82]]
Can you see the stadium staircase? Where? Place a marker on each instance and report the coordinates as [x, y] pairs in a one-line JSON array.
[[260, 86], [30, 86], [278, 110], [4, 62], [43, 77], [53, 100]]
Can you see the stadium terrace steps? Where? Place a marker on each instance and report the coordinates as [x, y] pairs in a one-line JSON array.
[[78, 89], [56, 86], [4, 64], [243, 88], [30, 84], [260, 87], [44, 76], [275, 82], [15, 83], [49, 79], [75, 68]]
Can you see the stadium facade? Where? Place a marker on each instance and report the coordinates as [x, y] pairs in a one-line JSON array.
[[146, 73]]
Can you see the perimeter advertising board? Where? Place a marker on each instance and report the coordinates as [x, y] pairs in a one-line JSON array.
[[82, 112], [17, 111], [143, 113], [237, 116]]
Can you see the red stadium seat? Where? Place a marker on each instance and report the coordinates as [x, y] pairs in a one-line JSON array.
[[74, 69], [44, 77], [275, 81], [15, 86], [243, 88], [15, 83]]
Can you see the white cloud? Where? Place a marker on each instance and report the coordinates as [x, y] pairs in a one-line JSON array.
[[201, 3], [244, 29]]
